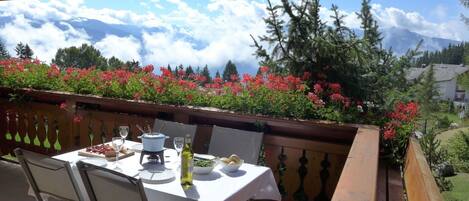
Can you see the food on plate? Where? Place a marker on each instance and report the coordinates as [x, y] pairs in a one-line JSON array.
[[203, 163], [100, 149], [104, 149], [232, 160]]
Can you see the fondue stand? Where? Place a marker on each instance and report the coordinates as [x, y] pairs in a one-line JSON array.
[[154, 171], [153, 156]]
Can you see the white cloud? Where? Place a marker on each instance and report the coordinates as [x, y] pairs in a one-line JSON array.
[[44, 40], [124, 48], [223, 27], [415, 22]]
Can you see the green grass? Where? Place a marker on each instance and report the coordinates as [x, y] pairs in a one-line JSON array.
[[460, 190], [446, 135]]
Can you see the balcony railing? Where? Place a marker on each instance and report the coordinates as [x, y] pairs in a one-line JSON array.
[[311, 160]]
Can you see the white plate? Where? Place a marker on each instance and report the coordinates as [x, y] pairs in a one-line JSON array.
[[95, 161], [156, 174], [205, 156]]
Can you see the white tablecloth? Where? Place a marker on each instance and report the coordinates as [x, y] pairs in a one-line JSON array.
[[249, 182]]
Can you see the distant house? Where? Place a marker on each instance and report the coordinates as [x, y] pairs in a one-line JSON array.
[[446, 76]]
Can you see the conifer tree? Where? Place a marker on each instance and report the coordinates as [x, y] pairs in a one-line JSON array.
[[427, 92], [28, 52], [23, 51], [114, 63], [206, 73], [131, 65], [169, 68], [189, 71], [217, 75], [369, 25], [230, 69], [3, 51]]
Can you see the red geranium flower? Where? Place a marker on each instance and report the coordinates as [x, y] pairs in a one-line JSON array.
[[63, 106], [264, 69], [335, 87], [148, 68]]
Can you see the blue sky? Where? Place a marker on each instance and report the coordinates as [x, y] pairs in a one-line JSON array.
[[222, 26]]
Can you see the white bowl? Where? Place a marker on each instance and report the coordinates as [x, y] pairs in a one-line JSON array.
[[203, 170], [231, 167]]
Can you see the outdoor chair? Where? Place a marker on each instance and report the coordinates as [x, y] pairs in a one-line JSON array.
[[227, 141], [103, 184], [173, 129], [48, 176]]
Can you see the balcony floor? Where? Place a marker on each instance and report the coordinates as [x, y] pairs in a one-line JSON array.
[[13, 186]]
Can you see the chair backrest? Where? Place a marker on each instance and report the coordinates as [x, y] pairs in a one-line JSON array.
[[103, 184], [173, 129], [48, 175], [227, 141]]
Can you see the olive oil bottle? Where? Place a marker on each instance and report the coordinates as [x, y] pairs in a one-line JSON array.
[[187, 160]]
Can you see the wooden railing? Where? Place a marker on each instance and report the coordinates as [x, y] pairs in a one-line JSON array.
[[308, 158], [419, 182]]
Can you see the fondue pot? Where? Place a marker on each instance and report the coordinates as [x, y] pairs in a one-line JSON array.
[[153, 142]]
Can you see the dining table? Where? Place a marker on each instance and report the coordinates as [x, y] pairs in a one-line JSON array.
[[250, 181]]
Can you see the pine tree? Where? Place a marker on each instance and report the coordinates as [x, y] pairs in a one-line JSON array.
[[20, 50], [28, 52], [230, 69], [369, 25], [3, 51], [206, 73], [217, 75], [465, 3], [114, 63], [169, 68], [197, 70], [131, 65], [427, 92], [189, 71], [435, 155]]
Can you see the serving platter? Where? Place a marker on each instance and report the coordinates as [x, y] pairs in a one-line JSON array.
[[124, 153]]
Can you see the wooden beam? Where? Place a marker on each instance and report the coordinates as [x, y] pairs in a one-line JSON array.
[[419, 181], [358, 181]]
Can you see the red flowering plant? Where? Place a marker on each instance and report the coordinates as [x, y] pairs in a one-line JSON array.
[[397, 130], [268, 94]]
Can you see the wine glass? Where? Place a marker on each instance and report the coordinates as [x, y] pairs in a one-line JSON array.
[[123, 132], [178, 144], [117, 143]]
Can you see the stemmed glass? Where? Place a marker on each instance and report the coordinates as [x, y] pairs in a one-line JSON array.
[[117, 143], [178, 145], [123, 132]]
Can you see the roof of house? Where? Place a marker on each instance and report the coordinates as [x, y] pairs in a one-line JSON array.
[[443, 72]]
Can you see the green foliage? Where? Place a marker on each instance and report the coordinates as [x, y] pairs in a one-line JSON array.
[[443, 122], [331, 53], [23, 51], [114, 62], [206, 73], [189, 71], [230, 69], [458, 149], [84, 56], [453, 54], [3, 50], [427, 92], [435, 156]]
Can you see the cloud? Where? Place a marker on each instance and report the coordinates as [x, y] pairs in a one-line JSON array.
[[415, 22], [124, 48], [193, 35], [44, 40]]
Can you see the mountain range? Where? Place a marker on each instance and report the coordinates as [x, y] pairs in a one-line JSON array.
[[397, 39]]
